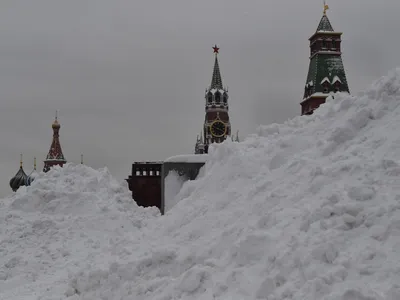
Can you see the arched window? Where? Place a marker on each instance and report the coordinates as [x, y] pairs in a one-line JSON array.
[[217, 97], [209, 97], [333, 44], [323, 43], [326, 87], [225, 99], [337, 86]]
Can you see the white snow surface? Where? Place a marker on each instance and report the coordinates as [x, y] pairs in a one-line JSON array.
[[173, 184], [308, 209], [188, 158]]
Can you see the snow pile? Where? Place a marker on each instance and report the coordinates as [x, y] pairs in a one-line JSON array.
[[309, 209], [68, 218], [173, 184]]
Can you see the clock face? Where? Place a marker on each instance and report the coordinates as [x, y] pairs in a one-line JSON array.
[[218, 129]]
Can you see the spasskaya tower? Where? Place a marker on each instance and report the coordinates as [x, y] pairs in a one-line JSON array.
[[217, 126]]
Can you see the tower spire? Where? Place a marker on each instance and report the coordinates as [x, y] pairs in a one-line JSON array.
[[20, 161], [326, 7], [55, 155], [216, 81], [324, 23], [81, 159]]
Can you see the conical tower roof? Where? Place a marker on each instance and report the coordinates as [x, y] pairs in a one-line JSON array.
[[325, 24], [216, 81], [19, 179]]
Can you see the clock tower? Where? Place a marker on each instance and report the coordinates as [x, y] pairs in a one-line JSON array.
[[217, 126]]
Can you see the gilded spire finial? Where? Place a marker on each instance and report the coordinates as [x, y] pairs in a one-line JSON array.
[[20, 161], [55, 123], [34, 163], [326, 7]]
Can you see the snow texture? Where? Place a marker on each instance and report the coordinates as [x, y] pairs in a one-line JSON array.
[[173, 184], [305, 210]]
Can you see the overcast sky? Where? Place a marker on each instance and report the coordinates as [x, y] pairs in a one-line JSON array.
[[129, 76]]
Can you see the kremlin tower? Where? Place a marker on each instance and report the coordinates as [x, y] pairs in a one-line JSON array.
[[326, 73], [55, 155], [217, 126]]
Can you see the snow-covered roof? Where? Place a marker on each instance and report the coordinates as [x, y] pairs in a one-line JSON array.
[[325, 79], [336, 78], [188, 158]]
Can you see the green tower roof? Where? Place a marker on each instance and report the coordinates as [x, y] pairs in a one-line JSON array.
[[326, 67], [325, 24]]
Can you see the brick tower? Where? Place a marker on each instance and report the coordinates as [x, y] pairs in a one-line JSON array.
[[55, 155], [217, 126], [326, 73]]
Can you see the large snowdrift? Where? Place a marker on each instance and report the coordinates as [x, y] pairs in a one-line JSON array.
[[309, 209]]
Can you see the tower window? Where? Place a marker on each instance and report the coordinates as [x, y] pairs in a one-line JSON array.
[[217, 97], [337, 86], [333, 44], [225, 99], [323, 43], [209, 98]]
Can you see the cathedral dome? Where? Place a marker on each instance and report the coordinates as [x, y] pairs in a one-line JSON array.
[[19, 179], [31, 177]]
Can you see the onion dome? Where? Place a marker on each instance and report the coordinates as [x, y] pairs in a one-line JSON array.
[[56, 124], [31, 177], [19, 179]]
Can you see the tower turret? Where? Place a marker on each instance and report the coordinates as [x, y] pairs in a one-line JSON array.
[[55, 155], [326, 73], [19, 179], [217, 125]]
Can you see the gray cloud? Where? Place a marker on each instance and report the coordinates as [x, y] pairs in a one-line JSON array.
[[129, 76]]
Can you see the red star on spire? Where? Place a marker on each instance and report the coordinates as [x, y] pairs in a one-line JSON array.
[[216, 49]]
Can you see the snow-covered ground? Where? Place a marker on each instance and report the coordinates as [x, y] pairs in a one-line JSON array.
[[309, 209]]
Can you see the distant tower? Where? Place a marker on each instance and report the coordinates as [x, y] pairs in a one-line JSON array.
[[326, 72], [19, 179], [216, 124], [55, 155]]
